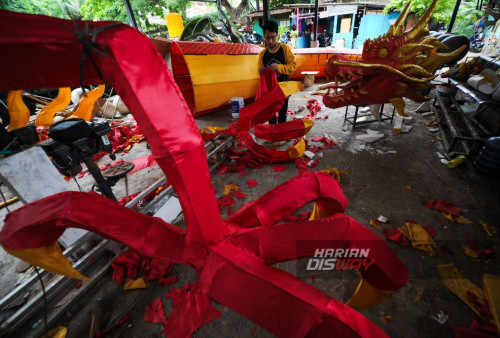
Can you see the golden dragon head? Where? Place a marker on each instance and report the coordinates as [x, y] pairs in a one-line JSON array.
[[395, 65]]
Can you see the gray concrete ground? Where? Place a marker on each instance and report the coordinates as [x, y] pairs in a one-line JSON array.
[[377, 179]]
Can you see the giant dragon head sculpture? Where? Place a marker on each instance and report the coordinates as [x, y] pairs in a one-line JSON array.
[[395, 65]]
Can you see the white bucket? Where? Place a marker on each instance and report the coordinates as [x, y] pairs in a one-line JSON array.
[[236, 104]]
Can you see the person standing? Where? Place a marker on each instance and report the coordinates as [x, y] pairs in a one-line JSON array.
[[279, 58]]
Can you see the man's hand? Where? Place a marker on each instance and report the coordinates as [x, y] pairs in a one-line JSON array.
[[274, 67], [261, 70]]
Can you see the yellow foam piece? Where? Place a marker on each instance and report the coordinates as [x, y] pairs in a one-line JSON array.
[[46, 115], [50, 258], [297, 150], [366, 296], [459, 285], [18, 111], [86, 105], [290, 87], [138, 283], [491, 286]]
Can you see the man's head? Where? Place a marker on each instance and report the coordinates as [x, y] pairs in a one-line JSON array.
[[271, 33]]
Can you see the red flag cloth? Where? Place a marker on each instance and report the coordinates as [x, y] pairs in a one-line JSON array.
[[301, 164], [232, 268], [303, 216], [281, 131], [155, 312], [251, 183], [442, 205], [191, 309], [396, 236]]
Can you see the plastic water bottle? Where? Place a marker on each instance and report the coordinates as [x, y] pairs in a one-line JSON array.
[[236, 104], [488, 160]]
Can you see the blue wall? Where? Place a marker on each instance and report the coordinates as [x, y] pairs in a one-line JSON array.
[[372, 26], [332, 27]]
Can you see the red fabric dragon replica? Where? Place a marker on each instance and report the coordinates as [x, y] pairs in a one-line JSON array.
[[395, 65], [232, 257]]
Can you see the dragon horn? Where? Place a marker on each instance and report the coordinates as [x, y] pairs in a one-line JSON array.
[[397, 28], [421, 27]]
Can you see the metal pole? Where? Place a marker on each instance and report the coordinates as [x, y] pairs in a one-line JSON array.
[[453, 16], [316, 6], [131, 17], [257, 4], [265, 10]]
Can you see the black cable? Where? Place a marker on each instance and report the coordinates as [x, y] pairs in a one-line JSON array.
[[44, 301], [78, 184], [4, 201]]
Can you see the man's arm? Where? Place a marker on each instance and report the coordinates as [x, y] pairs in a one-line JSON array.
[[290, 65]]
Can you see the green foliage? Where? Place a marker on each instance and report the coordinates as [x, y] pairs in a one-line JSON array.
[[273, 4], [466, 16], [57, 8], [212, 16]]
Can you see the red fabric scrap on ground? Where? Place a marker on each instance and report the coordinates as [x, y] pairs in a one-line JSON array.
[[226, 201], [446, 250], [103, 333], [326, 140], [396, 236], [483, 308], [430, 229], [142, 163], [251, 183], [442, 205], [314, 107], [130, 262], [168, 281], [155, 312], [191, 309], [300, 163], [461, 332], [124, 201], [278, 168], [239, 194]]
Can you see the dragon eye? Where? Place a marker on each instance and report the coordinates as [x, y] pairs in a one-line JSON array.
[[383, 52]]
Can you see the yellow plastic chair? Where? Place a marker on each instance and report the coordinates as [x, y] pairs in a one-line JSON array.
[[46, 115], [86, 105], [18, 111]]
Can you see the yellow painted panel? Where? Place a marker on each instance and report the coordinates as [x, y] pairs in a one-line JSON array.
[[50, 258], [219, 94], [209, 69]]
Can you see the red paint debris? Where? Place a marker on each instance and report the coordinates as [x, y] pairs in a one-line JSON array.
[[278, 168], [168, 281], [251, 183], [442, 205], [191, 309], [155, 312]]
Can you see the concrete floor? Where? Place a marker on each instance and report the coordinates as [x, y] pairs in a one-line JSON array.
[[375, 182]]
